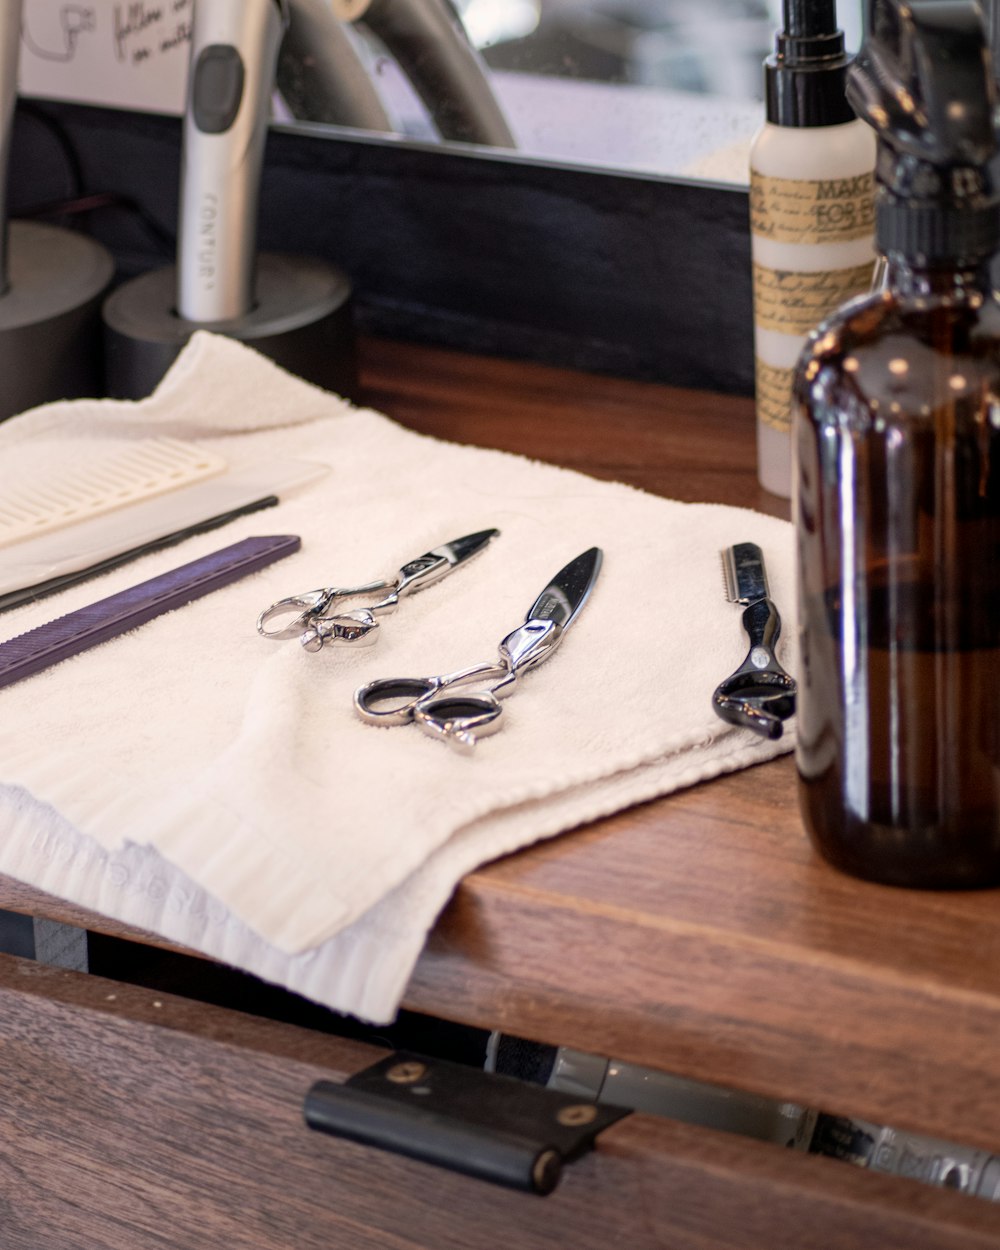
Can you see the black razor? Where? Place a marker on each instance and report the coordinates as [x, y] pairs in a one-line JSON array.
[[759, 695]]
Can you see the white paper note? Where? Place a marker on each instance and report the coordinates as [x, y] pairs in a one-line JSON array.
[[119, 53]]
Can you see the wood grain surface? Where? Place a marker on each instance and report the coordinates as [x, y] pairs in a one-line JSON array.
[[699, 933], [141, 1122]]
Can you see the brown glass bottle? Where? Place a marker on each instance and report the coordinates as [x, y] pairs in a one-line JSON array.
[[897, 508]]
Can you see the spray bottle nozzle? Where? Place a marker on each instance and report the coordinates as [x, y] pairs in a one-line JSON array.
[[804, 78], [805, 19], [923, 80]]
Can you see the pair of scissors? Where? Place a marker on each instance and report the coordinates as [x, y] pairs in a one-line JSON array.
[[309, 618], [760, 695], [444, 707]]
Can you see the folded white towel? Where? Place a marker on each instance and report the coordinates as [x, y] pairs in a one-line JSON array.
[[215, 787]]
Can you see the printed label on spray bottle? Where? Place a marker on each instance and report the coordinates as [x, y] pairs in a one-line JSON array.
[[792, 301], [828, 210], [796, 303], [772, 388]]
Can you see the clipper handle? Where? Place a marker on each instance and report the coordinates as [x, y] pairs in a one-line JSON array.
[[234, 55]]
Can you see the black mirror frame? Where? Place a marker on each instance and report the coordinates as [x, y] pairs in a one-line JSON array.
[[633, 275]]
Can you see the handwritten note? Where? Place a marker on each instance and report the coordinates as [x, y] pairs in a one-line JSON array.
[[129, 54]]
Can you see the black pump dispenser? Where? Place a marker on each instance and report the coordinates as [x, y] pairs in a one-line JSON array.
[[805, 76], [924, 82]]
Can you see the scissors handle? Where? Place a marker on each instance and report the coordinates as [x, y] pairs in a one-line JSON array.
[[294, 613], [394, 700], [358, 629], [300, 612], [460, 719]]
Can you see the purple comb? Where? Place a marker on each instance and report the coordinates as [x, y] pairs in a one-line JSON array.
[[68, 635]]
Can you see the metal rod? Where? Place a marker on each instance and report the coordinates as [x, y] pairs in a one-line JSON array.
[[428, 40]]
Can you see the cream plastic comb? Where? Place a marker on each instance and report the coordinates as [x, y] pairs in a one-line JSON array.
[[150, 467]]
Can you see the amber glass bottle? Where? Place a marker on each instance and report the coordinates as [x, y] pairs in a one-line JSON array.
[[897, 490]]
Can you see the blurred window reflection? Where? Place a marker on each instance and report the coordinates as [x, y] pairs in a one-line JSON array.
[[712, 47]]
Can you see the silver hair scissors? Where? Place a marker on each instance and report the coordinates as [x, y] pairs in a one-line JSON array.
[[443, 706], [309, 618]]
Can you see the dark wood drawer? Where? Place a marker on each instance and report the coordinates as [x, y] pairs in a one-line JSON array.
[[141, 1122]]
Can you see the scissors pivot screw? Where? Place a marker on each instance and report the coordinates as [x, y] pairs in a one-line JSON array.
[[406, 1073]]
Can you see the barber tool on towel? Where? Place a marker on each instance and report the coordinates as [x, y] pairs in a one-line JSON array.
[[459, 717], [107, 505], [68, 635], [144, 469], [62, 581], [315, 625], [759, 695], [203, 828]]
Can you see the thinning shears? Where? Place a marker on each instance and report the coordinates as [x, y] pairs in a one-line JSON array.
[[445, 707], [310, 618]]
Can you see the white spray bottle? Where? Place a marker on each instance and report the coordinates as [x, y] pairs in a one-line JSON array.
[[811, 214]]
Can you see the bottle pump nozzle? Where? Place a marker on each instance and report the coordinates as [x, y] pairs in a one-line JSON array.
[[924, 82], [805, 75]]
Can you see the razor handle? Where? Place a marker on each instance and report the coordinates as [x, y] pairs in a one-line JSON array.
[[760, 695]]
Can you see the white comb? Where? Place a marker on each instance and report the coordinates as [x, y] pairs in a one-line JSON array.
[[150, 467]]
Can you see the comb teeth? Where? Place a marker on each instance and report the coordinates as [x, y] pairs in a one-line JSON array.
[[744, 574], [149, 467], [728, 585]]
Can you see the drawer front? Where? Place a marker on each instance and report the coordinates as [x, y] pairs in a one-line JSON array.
[[134, 1121]]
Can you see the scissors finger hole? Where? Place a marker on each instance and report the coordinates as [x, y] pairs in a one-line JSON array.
[[391, 697], [284, 621], [457, 708], [458, 720]]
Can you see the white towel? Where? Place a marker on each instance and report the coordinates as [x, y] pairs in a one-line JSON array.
[[209, 785]]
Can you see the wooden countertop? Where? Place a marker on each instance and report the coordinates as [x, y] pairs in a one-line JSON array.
[[699, 933]]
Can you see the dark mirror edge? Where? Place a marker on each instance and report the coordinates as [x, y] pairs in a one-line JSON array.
[[631, 275]]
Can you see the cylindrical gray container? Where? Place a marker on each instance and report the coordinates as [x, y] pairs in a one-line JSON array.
[[301, 320], [50, 317]]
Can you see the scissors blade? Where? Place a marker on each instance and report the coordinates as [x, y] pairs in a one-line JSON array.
[[462, 549], [437, 563], [568, 591]]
